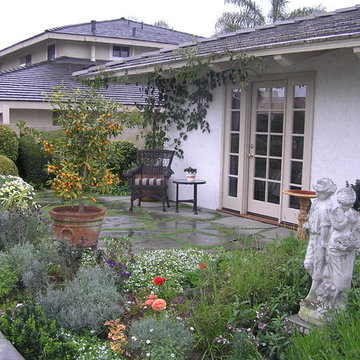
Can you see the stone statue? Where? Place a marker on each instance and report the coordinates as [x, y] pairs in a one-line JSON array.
[[334, 239], [318, 225], [341, 250]]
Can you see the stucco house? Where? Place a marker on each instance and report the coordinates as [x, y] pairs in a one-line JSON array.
[[298, 121], [34, 66]]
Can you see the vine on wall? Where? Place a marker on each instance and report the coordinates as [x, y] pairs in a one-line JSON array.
[[178, 99]]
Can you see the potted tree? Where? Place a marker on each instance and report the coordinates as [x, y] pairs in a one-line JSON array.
[[78, 165]]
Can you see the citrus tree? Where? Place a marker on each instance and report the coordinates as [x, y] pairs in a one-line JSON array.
[[78, 165]]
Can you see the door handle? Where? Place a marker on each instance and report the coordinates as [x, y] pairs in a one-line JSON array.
[[250, 156]]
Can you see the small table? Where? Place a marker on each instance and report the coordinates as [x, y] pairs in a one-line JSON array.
[[195, 183]]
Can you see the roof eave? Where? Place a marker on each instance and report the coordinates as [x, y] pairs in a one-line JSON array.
[[288, 47]]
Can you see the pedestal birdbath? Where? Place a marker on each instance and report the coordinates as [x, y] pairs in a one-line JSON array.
[[304, 197]]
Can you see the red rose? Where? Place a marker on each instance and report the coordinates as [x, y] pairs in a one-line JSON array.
[[202, 266], [158, 281]]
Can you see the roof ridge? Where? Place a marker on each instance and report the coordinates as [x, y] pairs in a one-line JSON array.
[[282, 22], [140, 23]]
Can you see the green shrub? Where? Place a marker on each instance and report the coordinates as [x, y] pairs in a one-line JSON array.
[[8, 279], [160, 339], [26, 262], [21, 225], [8, 167], [31, 161], [9, 142], [35, 336], [122, 157], [86, 302]]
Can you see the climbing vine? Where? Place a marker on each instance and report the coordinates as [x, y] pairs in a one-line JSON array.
[[177, 99]]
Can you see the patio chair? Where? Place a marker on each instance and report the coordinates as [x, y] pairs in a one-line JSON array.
[[151, 175]]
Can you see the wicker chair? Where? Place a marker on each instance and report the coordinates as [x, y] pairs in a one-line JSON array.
[[150, 177]]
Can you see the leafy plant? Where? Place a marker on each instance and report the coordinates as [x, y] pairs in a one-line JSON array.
[[7, 166], [26, 261], [86, 302], [8, 142], [21, 225], [160, 339], [121, 157], [231, 289], [34, 335], [8, 280], [356, 188]]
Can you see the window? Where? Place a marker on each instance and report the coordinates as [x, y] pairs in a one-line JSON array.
[[51, 52], [120, 51], [55, 118], [25, 60]]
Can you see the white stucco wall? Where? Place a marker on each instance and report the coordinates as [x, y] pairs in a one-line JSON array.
[[336, 131], [203, 152], [336, 145]]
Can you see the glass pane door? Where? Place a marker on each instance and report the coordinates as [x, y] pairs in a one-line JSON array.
[[266, 149]]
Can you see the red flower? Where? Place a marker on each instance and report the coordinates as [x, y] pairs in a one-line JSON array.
[[202, 266], [158, 281]]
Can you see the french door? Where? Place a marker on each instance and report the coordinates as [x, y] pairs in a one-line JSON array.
[[268, 147]]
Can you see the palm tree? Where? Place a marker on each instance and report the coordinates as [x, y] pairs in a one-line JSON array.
[[250, 14]]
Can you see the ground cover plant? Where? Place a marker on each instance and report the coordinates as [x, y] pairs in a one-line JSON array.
[[63, 302]]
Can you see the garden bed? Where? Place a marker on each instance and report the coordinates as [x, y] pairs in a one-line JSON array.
[[63, 302]]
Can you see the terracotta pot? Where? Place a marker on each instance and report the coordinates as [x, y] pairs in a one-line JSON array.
[[78, 228]]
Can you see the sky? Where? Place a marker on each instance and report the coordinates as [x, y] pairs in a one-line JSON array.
[[23, 19]]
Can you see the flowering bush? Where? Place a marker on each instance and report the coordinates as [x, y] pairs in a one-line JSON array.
[[15, 192], [174, 264], [79, 163]]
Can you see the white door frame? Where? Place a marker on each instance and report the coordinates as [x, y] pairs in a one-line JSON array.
[[240, 202]]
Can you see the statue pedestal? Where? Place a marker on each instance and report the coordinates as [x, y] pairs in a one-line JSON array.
[[311, 314], [299, 324]]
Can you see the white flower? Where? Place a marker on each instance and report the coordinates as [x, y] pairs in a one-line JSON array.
[[191, 328], [147, 354], [133, 338], [148, 342], [151, 330], [172, 355]]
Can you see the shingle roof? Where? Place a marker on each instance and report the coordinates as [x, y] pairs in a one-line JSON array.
[[341, 24], [124, 29], [31, 82]]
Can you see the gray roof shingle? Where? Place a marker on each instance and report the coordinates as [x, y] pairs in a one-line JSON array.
[[341, 24], [124, 29], [31, 82]]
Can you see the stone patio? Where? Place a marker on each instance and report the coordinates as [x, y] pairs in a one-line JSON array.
[[154, 229]]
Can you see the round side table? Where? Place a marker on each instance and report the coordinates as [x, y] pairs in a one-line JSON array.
[[194, 183]]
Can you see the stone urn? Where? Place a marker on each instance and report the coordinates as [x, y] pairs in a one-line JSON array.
[[78, 228]]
